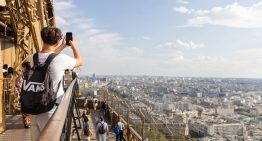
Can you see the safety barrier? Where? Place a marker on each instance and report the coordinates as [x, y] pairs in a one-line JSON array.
[[9, 95], [118, 108], [59, 126]]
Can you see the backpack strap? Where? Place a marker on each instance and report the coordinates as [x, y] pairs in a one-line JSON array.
[[49, 60], [35, 60], [102, 126]]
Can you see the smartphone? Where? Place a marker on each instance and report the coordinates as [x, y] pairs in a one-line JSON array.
[[69, 36]]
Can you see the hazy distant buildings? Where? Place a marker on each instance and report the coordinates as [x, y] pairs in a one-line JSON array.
[[199, 95], [256, 111], [216, 109], [225, 111], [226, 129]]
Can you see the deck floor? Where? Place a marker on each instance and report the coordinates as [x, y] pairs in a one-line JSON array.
[[15, 130]]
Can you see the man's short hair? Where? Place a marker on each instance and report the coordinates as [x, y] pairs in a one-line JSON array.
[[51, 35], [101, 118]]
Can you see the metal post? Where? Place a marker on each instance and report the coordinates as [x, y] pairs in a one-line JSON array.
[[107, 94], [143, 123], [77, 112], [111, 117], [104, 96], [118, 108], [128, 128], [142, 129], [112, 108]]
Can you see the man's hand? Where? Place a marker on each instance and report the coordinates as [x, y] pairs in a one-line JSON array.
[[72, 43], [76, 53], [62, 46]]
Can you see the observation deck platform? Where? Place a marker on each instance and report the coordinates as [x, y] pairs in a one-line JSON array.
[[15, 130]]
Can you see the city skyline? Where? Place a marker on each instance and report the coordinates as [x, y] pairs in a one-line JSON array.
[[166, 38]]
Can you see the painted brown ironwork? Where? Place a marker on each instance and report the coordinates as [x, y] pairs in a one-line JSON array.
[[21, 21]]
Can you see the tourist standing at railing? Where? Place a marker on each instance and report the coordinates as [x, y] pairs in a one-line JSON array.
[[67, 78], [10, 72], [8, 99], [102, 130], [95, 103], [104, 108], [18, 85], [119, 130], [51, 37], [5, 73], [85, 118]]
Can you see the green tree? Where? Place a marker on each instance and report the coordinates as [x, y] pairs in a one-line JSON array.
[[155, 135]]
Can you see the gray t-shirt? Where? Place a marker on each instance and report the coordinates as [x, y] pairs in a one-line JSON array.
[[104, 125]]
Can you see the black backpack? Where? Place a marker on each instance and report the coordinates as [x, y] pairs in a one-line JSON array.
[[37, 93], [101, 129]]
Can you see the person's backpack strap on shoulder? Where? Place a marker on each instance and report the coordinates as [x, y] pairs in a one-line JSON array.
[[35, 60], [49, 60]]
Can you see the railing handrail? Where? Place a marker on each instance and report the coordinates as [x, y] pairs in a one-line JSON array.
[[54, 127]]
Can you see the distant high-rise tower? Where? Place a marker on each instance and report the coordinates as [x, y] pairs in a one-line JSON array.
[[94, 77]]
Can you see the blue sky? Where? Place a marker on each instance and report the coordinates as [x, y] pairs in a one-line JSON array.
[[218, 38]]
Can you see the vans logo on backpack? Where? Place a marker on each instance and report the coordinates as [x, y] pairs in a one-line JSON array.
[[33, 86]]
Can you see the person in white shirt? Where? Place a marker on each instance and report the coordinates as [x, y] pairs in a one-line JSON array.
[[102, 136], [121, 126], [95, 103], [51, 37]]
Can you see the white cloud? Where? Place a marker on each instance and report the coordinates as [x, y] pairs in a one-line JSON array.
[[103, 53], [182, 1], [178, 56], [254, 52], [178, 44], [182, 9], [99, 51], [61, 21], [185, 10], [109, 38], [138, 51], [147, 38], [238, 65], [63, 5], [233, 15], [212, 59]]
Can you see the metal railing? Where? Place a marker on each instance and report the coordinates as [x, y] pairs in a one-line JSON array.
[[60, 124], [122, 109], [8, 95], [118, 108]]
